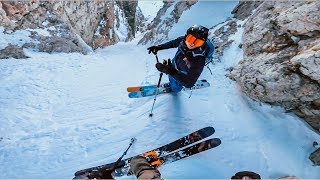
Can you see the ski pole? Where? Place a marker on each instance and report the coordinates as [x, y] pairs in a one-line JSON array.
[[155, 96], [125, 152]]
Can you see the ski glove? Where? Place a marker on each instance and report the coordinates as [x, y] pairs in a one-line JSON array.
[[166, 67], [154, 49]]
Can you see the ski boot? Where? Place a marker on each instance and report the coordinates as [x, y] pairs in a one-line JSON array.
[[153, 159], [166, 87]]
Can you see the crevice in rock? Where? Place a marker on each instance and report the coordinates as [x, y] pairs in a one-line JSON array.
[[296, 69]]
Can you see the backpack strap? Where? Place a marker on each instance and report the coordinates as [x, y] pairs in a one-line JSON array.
[[209, 48]]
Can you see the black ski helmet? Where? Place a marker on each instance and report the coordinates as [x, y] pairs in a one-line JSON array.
[[198, 31], [250, 174]]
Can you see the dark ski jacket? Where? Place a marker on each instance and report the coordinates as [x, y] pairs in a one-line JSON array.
[[189, 63]]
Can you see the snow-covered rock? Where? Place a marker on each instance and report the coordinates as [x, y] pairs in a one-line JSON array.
[[166, 17], [221, 33], [8, 52]]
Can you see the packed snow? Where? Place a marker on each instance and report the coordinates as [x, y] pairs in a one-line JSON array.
[[60, 113], [18, 38], [206, 13]]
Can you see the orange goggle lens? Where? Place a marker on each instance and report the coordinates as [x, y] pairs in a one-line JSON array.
[[193, 41]]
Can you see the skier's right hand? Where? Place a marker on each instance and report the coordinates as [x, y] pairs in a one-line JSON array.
[[166, 67], [154, 49]]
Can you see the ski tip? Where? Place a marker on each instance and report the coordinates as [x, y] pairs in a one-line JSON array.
[[134, 95], [216, 142], [80, 172], [207, 131], [209, 128], [133, 89]]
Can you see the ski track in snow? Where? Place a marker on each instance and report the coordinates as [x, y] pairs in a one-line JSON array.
[[60, 113]]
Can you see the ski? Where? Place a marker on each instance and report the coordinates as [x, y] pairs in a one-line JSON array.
[[192, 150], [161, 151], [152, 87], [145, 91], [145, 88], [175, 156]]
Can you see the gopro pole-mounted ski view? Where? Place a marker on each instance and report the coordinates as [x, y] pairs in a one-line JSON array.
[[145, 89]]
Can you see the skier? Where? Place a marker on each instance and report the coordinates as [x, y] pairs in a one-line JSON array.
[[189, 60]]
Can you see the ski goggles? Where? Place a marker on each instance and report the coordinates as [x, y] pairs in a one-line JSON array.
[[193, 41]]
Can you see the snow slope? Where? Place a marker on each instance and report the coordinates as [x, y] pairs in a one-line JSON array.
[[63, 112], [150, 8], [206, 13]]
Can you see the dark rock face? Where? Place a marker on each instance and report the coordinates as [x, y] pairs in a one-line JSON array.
[[82, 17], [245, 8], [79, 23], [281, 64], [315, 157], [12, 51], [130, 14], [58, 44]]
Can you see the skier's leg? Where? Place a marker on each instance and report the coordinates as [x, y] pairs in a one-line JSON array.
[[143, 169], [175, 86]]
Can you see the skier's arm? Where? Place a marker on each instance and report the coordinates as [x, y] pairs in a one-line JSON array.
[[172, 44], [189, 79]]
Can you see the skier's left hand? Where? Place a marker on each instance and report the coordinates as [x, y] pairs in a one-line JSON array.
[[154, 49], [166, 68]]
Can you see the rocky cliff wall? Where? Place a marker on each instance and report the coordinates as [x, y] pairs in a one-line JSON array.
[[281, 64], [72, 25]]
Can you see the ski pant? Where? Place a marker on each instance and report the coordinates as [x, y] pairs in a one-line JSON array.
[[175, 86], [142, 169]]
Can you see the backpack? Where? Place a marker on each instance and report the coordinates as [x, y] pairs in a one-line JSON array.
[[209, 50]]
